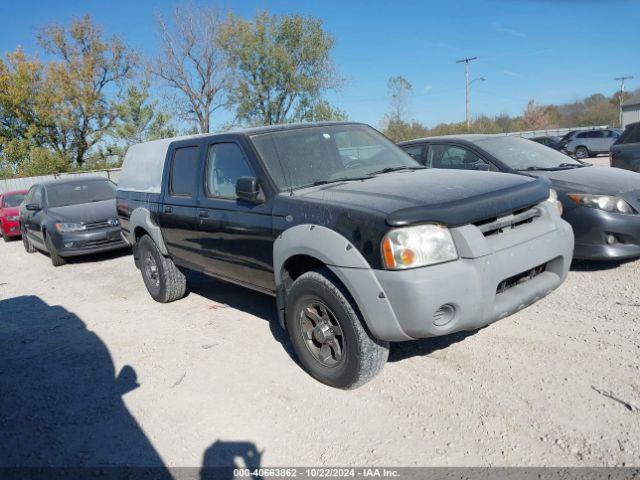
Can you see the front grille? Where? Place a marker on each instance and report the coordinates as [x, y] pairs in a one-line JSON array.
[[97, 225], [520, 278], [497, 225]]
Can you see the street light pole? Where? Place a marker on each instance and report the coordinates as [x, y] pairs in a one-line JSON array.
[[466, 76], [621, 80]]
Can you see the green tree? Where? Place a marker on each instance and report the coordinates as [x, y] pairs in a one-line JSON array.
[[281, 66], [400, 130], [321, 111], [87, 69], [138, 119]]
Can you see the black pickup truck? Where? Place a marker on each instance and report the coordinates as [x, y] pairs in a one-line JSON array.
[[360, 244]]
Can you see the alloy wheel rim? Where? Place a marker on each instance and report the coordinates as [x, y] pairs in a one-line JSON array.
[[151, 270], [322, 333]]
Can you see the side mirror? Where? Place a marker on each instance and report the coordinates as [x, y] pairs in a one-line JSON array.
[[248, 189], [34, 207]]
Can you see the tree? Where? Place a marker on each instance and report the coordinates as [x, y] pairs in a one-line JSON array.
[[399, 90], [139, 120], [321, 111], [282, 66], [192, 63], [87, 69], [399, 130], [535, 117]]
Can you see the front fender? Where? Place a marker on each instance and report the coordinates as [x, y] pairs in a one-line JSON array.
[[351, 268]]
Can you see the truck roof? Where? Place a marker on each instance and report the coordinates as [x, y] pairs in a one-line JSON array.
[[143, 164]]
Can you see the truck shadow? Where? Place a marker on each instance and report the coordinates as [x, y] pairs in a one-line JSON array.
[[61, 402], [251, 302], [426, 346]]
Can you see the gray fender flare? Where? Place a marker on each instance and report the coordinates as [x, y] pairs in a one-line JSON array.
[[141, 217], [351, 268]]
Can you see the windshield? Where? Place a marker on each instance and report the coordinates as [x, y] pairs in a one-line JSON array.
[[74, 193], [522, 154], [312, 155], [13, 200]]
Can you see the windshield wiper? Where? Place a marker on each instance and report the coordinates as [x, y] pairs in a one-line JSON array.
[[562, 166], [397, 169], [334, 180], [573, 165]]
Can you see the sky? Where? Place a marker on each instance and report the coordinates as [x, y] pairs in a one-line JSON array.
[[549, 51]]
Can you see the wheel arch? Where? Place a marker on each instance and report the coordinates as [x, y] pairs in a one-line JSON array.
[[140, 223], [305, 247]]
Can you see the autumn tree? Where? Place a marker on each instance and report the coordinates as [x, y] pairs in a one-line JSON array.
[[192, 63], [535, 117], [86, 70], [139, 119], [281, 67], [400, 91]]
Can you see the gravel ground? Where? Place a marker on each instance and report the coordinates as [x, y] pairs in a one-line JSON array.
[[93, 371]]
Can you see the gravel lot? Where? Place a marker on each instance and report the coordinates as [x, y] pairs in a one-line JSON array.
[[93, 371]]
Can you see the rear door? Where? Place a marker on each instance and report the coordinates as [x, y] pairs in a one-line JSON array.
[[236, 236], [177, 216]]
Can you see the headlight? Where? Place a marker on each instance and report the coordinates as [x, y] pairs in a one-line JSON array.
[[607, 203], [70, 227], [411, 247], [12, 218], [553, 198]]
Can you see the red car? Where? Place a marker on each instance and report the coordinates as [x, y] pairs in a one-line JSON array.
[[9, 213]]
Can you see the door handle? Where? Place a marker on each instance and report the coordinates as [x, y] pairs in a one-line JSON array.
[[168, 209], [203, 214]]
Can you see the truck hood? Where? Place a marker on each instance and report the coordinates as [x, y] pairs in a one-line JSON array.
[[85, 212], [449, 197], [595, 180]]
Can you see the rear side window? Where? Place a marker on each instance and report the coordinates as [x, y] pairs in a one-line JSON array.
[[184, 171]]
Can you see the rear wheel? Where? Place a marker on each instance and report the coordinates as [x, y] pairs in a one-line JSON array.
[[164, 281], [56, 260], [581, 152], [25, 241], [328, 334]]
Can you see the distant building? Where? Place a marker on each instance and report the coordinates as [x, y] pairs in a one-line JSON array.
[[631, 110]]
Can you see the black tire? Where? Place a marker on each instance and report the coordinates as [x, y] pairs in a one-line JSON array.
[[56, 260], [357, 358], [164, 281], [26, 243], [581, 152]]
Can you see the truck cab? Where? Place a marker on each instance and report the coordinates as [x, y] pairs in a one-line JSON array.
[[359, 244]]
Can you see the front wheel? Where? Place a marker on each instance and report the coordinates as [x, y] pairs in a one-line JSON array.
[[327, 332], [164, 281], [56, 260]]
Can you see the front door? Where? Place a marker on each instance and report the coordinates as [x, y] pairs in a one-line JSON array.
[[33, 218], [236, 236], [177, 216]]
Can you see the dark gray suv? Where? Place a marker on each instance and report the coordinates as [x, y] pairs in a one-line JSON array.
[[625, 153]]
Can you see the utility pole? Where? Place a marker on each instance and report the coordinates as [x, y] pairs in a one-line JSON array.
[[621, 80], [466, 76]]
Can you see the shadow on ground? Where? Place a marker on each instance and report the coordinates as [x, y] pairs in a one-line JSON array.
[[426, 346], [61, 401], [61, 405], [597, 265], [254, 303]]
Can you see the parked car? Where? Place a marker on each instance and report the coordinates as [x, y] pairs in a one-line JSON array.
[[346, 231], [588, 143], [625, 153], [9, 212], [551, 142], [600, 203], [70, 217]]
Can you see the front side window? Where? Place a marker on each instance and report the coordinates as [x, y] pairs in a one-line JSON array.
[[76, 193], [38, 197], [454, 157], [184, 171], [12, 200], [306, 156], [415, 151], [632, 135], [225, 164]]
